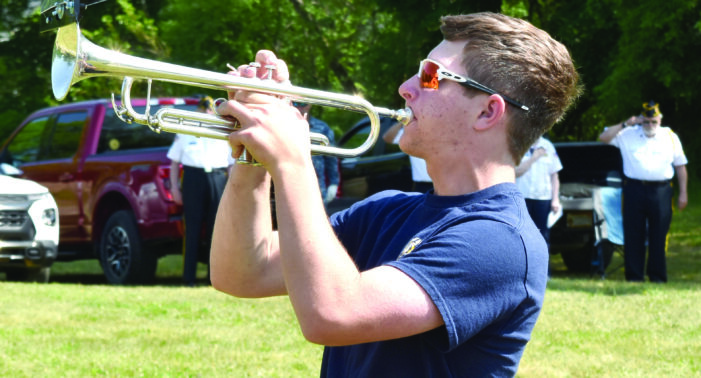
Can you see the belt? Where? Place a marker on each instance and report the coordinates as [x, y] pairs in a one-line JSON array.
[[217, 170], [649, 182]]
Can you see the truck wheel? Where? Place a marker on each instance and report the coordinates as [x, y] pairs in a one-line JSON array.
[[40, 275], [578, 260], [121, 252], [585, 260]]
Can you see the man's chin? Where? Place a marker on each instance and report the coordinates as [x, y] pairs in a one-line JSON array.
[[649, 132]]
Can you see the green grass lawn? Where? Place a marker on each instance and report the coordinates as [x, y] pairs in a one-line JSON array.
[[78, 326]]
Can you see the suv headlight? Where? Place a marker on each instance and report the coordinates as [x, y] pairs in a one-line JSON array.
[[48, 217], [44, 212]]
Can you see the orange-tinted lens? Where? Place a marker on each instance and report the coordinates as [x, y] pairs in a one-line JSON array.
[[429, 75]]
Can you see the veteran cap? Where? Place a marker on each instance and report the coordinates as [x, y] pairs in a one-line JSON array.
[[651, 109]]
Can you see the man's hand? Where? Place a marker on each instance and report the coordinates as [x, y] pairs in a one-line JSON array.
[[682, 201], [272, 130], [539, 152], [555, 205]]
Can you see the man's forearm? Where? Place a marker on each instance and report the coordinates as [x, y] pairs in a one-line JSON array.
[[174, 178], [318, 271], [243, 257], [610, 132], [682, 178], [555, 183]]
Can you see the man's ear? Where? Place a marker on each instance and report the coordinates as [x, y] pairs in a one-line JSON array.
[[493, 112]]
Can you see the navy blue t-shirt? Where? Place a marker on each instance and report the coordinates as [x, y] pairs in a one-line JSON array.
[[478, 256]]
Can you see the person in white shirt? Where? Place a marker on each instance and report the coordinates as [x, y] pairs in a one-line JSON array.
[[651, 154], [537, 178], [204, 163]]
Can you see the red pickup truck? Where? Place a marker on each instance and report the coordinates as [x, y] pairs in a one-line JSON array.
[[110, 181]]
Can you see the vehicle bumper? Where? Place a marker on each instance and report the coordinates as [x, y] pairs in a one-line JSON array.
[[27, 253]]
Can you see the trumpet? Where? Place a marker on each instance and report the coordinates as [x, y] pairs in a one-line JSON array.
[[76, 58]]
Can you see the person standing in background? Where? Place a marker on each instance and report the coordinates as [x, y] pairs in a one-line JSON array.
[[326, 166], [204, 163], [421, 181], [651, 154], [537, 178]]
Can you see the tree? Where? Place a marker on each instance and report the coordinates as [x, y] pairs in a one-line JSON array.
[[25, 58], [627, 52], [364, 47]]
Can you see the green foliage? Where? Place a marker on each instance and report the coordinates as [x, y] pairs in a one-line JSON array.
[[627, 51], [25, 59], [362, 47]]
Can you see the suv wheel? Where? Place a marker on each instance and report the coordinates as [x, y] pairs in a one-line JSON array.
[[121, 252], [40, 275]]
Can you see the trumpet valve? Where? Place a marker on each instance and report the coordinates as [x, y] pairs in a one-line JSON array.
[[270, 68], [255, 66]]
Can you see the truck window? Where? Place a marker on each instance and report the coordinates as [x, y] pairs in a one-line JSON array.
[[117, 135], [27, 144], [66, 135]]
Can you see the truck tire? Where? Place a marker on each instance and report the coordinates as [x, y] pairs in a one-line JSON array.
[[40, 275], [121, 252], [578, 260], [585, 259]]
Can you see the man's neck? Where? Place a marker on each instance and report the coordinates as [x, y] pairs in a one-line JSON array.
[[453, 181]]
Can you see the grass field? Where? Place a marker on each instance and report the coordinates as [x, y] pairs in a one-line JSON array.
[[77, 326]]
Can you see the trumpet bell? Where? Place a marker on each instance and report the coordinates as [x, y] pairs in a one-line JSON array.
[[64, 63]]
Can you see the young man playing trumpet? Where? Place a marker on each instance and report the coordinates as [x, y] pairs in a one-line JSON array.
[[446, 283]]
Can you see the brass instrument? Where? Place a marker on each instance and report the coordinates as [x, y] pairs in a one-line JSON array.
[[76, 58]]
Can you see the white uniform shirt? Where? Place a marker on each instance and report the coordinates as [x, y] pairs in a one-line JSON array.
[[651, 159], [535, 183], [198, 152], [419, 173]]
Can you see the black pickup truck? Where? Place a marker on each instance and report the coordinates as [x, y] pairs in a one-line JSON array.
[[584, 236]]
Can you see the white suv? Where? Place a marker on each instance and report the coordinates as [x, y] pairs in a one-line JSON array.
[[28, 228]]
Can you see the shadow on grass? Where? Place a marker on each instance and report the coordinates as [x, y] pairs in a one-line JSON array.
[[89, 272], [99, 279]]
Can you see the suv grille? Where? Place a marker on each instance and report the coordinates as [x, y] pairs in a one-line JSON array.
[[12, 218], [15, 225]]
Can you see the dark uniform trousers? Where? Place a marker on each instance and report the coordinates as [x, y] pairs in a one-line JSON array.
[[539, 211], [647, 205], [201, 194]]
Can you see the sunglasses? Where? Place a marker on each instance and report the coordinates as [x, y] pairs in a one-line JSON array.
[[431, 72]]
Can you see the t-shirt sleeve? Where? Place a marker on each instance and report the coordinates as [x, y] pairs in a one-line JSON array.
[[555, 163], [474, 272], [679, 156], [175, 151]]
